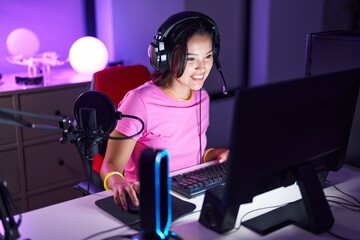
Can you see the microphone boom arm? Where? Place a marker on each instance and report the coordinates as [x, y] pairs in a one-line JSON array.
[[11, 231], [65, 124]]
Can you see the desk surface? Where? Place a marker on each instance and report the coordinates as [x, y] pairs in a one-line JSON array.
[[82, 219]]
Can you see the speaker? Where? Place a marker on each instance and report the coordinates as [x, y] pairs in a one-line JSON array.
[[217, 213], [158, 50]]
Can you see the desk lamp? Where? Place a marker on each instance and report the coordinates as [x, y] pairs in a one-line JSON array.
[[88, 55]]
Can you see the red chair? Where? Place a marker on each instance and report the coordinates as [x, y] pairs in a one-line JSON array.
[[115, 82]]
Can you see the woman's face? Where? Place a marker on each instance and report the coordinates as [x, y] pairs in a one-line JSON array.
[[199, 62]]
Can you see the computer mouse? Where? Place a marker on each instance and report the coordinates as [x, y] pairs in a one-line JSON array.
[[131, 207]]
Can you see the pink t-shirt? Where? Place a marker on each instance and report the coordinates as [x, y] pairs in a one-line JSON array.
[[169, 124]]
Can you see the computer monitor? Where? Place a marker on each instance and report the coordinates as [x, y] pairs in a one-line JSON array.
[[283, 133], [333, 51]]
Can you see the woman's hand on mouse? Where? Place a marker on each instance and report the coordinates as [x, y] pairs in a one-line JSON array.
[[121, 189]]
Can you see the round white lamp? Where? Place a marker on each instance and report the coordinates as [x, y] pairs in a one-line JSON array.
[[88, 55], [22, 41]]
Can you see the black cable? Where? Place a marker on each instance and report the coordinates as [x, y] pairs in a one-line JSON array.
[[117, 237], [200, 142], [344, 203], [113, 229], [346, 194], [353, 204], [258, 209], [90, 176], [347, 204], [127, 137], [343, 199], [337, 236]]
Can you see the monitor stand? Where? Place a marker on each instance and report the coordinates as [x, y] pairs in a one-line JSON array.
[[311, 213]]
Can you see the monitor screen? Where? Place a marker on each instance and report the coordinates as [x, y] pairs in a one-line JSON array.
[[283, 133], [333, 51]]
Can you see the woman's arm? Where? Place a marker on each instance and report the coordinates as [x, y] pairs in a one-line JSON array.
[[117, 155]]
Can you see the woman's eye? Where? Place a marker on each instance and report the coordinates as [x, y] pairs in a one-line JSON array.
[[190, 59], [209, 56]]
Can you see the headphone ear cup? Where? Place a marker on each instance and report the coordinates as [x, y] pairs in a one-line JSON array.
[[153, 56], [158, 55]]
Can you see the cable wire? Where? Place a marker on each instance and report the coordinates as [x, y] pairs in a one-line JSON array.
[[113, 229], [345, 203], [127, 137]]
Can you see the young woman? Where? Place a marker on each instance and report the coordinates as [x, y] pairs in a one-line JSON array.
[[173, 106]]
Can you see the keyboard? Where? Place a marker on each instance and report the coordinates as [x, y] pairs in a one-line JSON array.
[[190, 183]]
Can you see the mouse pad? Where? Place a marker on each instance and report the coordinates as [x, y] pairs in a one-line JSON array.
[[179, 208]]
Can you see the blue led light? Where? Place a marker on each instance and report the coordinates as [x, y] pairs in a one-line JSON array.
[[162, 156]]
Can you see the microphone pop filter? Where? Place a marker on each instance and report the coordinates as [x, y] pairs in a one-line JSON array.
[[106, 112]]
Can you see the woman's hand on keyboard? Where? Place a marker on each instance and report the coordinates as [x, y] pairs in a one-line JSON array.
[[221, 154]]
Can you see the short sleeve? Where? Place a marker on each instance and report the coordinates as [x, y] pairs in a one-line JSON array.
[[133, 110]]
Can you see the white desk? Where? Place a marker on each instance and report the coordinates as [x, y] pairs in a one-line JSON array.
[[81, 218]]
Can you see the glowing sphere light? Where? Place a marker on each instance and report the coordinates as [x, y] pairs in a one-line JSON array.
[[88, 55], [22, 41]]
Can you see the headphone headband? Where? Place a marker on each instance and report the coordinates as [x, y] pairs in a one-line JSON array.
[[158, 51]]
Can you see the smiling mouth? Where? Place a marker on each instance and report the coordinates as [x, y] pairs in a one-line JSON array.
[[198, 77]]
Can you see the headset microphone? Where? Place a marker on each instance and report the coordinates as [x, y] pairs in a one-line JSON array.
[[218, 67]]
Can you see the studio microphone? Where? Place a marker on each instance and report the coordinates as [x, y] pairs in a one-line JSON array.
[[97, 117], [89, 127], [93, 110]]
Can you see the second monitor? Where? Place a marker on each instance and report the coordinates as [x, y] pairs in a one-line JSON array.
[[283, 133]]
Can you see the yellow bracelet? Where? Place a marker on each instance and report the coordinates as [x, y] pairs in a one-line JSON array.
[[206, 153], [108, 176]]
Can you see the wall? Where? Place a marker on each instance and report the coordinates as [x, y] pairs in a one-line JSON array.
[[127, 27], [278, 38]]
